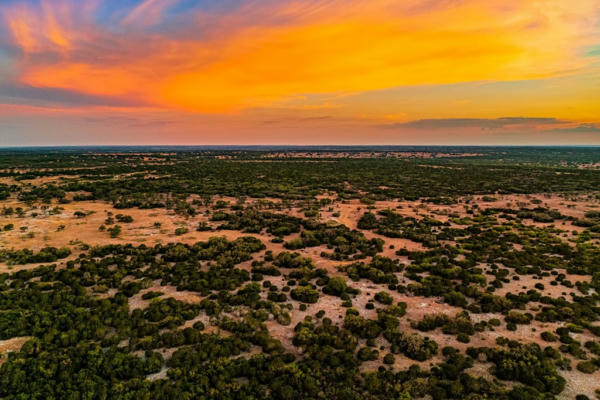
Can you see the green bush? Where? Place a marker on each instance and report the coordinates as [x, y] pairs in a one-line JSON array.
[[305, 294], [587, 367], [384, 298]]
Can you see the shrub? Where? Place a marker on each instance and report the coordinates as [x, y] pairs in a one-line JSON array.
[[124, 218], [518, 318], [587, 367], [181, 231], [463, 338], [114, 231], [549, 336], [151, 295], [203, 227], [389, 359], [305, 294], [384, 298], [335, 287]]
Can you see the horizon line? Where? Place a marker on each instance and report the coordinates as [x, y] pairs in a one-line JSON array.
[[291, 146]]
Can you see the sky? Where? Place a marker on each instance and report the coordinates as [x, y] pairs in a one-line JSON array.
[[100, 72]]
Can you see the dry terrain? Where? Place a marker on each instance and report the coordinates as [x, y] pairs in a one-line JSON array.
[[77, 225]]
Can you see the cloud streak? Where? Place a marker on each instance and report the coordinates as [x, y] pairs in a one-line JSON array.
[[504, 125], [293, 47], [147, 13], [481, 123], [579, 128], [248, 55]]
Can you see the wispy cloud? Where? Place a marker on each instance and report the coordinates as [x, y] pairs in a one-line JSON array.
[[147, 13], [482, 123], [51, 97], [579, 128], [274, 50], [234, 57], [505, 125]]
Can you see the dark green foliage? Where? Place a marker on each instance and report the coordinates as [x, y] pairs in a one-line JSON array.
[[181, 231], [305, 294], [337, 287], [527, 364], [460, 324], [87, 343], [124, 218], [151, 295], [395, 225], [389, 358], [384, 298], [507, 170], [114, 231], [255, 221], [292, 260], [380, 270], [586, 367], [47, 254], [343, 241], [411, 345], [518, 318]]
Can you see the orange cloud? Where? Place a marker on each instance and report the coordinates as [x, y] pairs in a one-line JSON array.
[[87, 78], [369, 49], [39, 32], [55, 33], [287, 49], [20, 27]]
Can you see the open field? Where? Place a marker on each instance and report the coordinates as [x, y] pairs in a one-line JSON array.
[[350, 279]]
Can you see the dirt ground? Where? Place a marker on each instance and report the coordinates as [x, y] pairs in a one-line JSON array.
[[39, 227], [11, 345]]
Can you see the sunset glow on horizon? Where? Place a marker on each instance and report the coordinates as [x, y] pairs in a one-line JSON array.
[[299, 72]]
